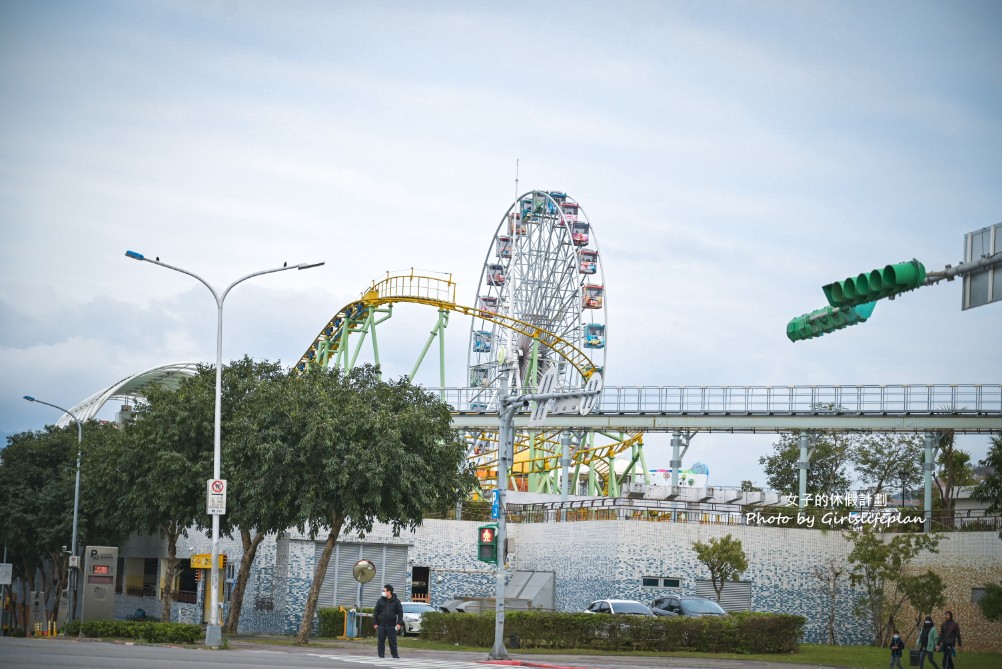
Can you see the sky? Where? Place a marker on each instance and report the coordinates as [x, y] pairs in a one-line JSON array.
[[732, 158]]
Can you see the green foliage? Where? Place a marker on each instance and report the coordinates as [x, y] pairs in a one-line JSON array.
[[991, 604], [829, 464], [332, 623], [362, 451], [925, 592], [150, 632], [989, 490], [736, 633], [879, 567], [724, 557], [889, 461]]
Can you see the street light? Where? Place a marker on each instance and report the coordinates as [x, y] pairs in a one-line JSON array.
[[213, 633], [76, 503]]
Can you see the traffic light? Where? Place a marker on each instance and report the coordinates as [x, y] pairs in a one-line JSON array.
[[827, 320], [487, 543], [877, 284]]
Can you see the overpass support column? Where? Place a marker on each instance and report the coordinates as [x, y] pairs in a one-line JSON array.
[[927, 468], [677, 452], [804, 464]]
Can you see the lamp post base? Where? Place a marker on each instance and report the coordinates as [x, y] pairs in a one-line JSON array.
[[213, 636]]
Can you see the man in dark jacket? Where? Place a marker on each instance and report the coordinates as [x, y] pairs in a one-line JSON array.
[[949, 639], [388, 618]]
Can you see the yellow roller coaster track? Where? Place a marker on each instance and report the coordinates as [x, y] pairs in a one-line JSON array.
[[537, 453], [434, 291]]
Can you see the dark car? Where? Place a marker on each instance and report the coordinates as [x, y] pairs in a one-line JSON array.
[[685, 605]]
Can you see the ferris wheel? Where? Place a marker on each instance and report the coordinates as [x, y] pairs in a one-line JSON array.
[[542, 268]]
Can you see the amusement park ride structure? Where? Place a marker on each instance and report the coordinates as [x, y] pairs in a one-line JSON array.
[[541, 305]]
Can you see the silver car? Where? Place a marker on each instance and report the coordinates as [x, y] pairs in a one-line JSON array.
[[619, 606], [413, 612]]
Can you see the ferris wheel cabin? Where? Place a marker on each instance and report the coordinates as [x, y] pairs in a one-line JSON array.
[[496, 275], [592, 296], [594, 335], [480, 375], [516, 224], [570, 210], [489, 303], [482, 340], [503, 249], [579, 233], [587, 261]]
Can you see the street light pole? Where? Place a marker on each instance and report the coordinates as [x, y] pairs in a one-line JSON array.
[[76, 504], [213, 632]]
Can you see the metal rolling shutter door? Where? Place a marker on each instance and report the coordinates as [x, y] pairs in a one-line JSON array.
[[736, 595]]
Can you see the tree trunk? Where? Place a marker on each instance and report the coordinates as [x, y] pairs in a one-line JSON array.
[[168, 591], [318, 578], [237, 596]]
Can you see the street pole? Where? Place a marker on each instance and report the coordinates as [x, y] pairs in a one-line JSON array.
[[213, 631], [76, 506], [506, 455], [505, 447]]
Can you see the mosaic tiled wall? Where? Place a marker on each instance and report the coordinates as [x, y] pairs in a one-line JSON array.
[[595, 559]]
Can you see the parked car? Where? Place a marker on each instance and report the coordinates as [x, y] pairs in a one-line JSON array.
[[686, 605], [627, 607], [413, 612]]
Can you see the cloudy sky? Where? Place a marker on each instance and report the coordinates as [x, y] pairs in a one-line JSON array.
[[732, 158]]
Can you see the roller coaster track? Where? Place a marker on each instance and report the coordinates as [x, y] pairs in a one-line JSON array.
[[437, 292], [537, 452]]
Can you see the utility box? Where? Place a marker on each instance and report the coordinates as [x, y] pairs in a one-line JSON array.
[[99, 574]]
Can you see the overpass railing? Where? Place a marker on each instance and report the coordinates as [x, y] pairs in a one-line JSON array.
[[917, 399]]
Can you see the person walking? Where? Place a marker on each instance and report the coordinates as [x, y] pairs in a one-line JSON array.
[[897, 647], [927, 641], [388, 618], [949, 639]]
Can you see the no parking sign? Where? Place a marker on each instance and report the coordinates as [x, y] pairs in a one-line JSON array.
[[215, 497]]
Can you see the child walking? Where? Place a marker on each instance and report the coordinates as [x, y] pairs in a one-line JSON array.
[[897, 647]]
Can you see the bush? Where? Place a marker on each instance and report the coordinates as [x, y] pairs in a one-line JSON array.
[[151, 632], [743, 632], [332, 623]]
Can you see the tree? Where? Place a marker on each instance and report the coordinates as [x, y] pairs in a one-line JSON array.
[[364, 451], [990, 488], [955, 471], [829, 575], [724, 557], [885, 461], [829, 464], [991, 603], [37, 480], [258, 477], [924, 592], [168, 459], [880, 567], [749, 486]]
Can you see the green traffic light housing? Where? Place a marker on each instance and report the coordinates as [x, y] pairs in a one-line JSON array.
[[875, 285], [826, 320], [487, 543]]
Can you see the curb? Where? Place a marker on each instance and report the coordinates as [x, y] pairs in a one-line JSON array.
[[527, 663]]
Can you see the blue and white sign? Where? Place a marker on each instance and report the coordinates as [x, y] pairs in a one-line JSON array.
[[495, 503]]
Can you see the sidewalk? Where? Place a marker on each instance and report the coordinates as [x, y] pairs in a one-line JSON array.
[[527, 659]]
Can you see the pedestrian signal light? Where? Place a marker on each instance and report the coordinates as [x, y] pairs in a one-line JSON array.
[[487, 543], [875, 285]]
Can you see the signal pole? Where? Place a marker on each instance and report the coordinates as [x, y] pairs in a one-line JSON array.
[[588, 397]]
